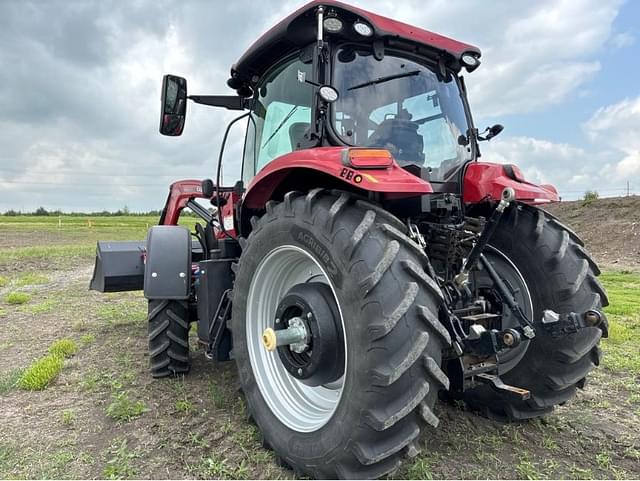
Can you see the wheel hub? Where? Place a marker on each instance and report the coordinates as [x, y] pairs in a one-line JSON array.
[[307, 334]]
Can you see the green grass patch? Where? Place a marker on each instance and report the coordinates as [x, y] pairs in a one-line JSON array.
[[123, 313], [3, 281], [123, 409], [9, 380], [63, 348], [184, 406], [68, 417], [40, 308], [3, 312], [119, 464], [31, 278], [45, 252], [218, 467], [17, 298], [87, 339], [622, 347], [41, 373]]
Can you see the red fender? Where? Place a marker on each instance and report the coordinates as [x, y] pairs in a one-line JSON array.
[[393, 181], [485, 181]]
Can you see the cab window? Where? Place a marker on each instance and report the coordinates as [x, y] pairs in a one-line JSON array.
[[280, 117]]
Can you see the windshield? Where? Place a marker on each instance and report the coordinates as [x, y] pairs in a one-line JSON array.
[[400, 105]]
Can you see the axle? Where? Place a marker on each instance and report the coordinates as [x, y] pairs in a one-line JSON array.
[[294, 336]]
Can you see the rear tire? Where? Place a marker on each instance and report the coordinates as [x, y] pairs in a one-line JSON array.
[[561, 276], [168, 338], [393, 337]]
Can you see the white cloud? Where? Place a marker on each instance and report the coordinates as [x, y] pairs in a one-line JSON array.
[[609, 159], [82, 94], [535, 54], [617, 127], [623, 39]]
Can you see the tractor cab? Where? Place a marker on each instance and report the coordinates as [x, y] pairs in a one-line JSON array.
[[334, 75]]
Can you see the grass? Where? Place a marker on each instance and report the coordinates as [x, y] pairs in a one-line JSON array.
[[68, 417], [421, 468], [123, 409], [41, 373], [3, 281], [16, 298], [87, 339], [622, 348], [63, 348], [527, 470], [122, 313], [184, 406], [119, 464], [9, 380], [41, 307], [30, 279], [218, 467]]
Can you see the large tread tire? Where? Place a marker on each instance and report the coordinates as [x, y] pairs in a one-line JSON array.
[[168, 338], [561, 276], [394, 336]]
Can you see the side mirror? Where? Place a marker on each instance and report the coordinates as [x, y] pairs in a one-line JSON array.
[[493, 131], [173, 105]]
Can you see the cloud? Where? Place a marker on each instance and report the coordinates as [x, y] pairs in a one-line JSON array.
[[81, 80], [623, 39], [606, 162], [616, 127]]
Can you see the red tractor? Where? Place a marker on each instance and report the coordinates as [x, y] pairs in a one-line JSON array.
[[366, 262]]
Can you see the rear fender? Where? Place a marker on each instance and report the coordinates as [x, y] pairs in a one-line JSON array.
[[167, 273], [392, 181], [485, 181]]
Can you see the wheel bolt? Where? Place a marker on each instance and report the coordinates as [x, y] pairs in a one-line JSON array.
[[299, 372]]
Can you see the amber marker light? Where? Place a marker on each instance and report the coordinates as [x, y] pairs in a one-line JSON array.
[[369, 158]]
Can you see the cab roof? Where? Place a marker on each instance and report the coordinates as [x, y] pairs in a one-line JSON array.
[[299, 30]]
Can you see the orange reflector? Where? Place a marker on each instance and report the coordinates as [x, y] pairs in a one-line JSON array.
[[370, 158]]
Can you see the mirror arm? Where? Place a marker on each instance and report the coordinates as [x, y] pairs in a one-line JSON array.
[[230, 102]]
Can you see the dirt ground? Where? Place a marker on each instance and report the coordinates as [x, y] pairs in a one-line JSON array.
[[196, 426], [609, 227]]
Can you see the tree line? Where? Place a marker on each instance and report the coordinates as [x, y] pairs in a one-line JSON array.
[[41, 211]]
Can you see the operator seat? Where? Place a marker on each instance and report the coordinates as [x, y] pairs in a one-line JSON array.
[[400, 136], [296, 133]]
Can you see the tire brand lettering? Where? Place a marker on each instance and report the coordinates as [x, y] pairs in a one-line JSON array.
[[308, 240]]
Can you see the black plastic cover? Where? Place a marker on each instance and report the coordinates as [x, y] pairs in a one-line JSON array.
[[119, 266]]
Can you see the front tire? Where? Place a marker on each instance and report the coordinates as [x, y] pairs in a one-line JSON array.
[[560, 275], [392, 336], [168, 338]]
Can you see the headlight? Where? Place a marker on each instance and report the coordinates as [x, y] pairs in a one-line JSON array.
[[470, 60], [332, 24], [363, 29], [328, 93]]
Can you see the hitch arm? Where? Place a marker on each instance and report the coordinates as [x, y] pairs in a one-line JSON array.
[[508, 196]]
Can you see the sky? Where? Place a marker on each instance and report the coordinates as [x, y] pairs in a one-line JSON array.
[[80, 89]]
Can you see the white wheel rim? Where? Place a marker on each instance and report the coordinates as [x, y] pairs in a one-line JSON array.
[[300, 407]]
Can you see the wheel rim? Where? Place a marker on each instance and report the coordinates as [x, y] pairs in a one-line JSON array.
[[300, 407], [514, 279]]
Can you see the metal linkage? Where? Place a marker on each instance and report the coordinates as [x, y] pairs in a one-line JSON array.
[[561, 324], [508, 196]]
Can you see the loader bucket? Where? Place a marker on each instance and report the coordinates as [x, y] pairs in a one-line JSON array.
[[119, 266]]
